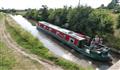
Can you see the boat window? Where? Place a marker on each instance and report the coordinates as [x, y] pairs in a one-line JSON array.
[[57, 33], [71, 32], [41, 26], [50, 29], [71, 40], [47, 28], [44, 26]]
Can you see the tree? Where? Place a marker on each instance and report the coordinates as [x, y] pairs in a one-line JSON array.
[[102, 6], [33, 14], [44, 13], [101, 21], [117, 8], [118, 25], [59, 16], [112, 4], [78, 19]]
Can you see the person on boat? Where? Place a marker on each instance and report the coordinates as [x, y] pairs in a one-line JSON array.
[[101, 40], [96, 41]]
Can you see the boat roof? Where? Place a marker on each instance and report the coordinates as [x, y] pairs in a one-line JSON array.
[[71, 33]]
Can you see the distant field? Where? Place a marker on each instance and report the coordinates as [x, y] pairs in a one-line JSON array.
[[21, 12]]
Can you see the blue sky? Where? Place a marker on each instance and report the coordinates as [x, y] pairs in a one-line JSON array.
[[22, 4]]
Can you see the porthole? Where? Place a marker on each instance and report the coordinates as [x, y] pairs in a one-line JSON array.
[[71, 40]]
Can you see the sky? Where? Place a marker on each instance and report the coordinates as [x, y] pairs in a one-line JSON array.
[[23, 4]]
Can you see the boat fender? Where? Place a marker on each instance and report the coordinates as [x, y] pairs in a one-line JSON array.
[[87, 50]]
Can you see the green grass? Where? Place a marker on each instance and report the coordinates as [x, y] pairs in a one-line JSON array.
[[7, 60], [113, 42], [1, 15], [32, 22], [28, 41]]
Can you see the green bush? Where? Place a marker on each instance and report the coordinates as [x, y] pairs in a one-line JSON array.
[[112, 41], [32, 22], [67, 65]]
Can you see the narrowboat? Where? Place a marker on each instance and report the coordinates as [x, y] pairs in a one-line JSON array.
[[77, 41]]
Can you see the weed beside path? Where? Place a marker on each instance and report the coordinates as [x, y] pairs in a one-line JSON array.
[[7, 61]]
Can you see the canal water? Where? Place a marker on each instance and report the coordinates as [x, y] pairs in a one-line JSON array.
[[57, 48]]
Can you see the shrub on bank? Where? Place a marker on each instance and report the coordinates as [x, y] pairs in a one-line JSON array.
[[113, 42]]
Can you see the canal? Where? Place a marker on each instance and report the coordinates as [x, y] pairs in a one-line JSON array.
[[59, 49]]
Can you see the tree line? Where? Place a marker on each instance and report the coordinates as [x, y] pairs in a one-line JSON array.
[[81, 19], [103, 21]]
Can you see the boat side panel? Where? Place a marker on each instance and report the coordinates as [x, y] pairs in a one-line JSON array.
[[59, 34]]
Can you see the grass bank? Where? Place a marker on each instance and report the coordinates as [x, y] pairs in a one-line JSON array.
[[10, 60], [113, 42], [7, 60], [1, 15], [32, 22], [28, 41]]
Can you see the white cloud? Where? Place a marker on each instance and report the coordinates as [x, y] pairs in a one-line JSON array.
[[22, 4]]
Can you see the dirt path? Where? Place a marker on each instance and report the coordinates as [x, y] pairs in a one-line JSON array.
[[22, 54]]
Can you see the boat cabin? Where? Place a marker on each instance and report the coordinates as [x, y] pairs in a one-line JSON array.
[[64, 34]]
